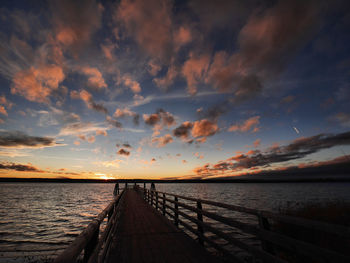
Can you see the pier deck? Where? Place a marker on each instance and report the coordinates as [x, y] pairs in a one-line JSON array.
[[144, 235]]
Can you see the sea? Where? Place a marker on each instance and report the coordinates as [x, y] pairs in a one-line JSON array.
[[39, 220]]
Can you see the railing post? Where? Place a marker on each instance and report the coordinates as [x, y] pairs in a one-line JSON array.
[[151, 198], [157, 201], [163, 204], [264, 224], [110, 212], [199, 226], [89, 248], [147, 196], [176, 212]]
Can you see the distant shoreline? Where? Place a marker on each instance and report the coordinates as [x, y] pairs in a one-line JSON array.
[[238, 180]]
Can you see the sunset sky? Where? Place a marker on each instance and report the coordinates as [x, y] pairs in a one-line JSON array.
[[172, 89]]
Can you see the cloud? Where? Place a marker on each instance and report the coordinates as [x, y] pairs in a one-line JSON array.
[[113, 122], [204, 128], [126, 145], [297, 149], [3, 110], [17, 139], [140, 20], [154, 68], [89, 102], [101, 132], [4, 102], [159, 120], [91, 139], [342, 118], [122, 113], [167, 80], [95, 78], [123, 152], [182, 36], [56, 117], [198, 155], [266, 44], [75, 22], [36, 84], [77, 128], [249, 124], [132, 84], [19, 167], [194, 70], [114, 163], [162, 141], [215, 111], [257, 143], [151, 119], [183, 131]]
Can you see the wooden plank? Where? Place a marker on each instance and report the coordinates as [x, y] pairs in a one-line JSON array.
[[144, 235]]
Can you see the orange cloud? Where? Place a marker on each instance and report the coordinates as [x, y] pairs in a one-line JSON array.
[[141, 18], [74, 23], [257, 143], [120, 113], [162, 141], [182, 36], [89, 102], [95, 78], [250, 124], [168, 79], [132, 84], [36, 84], [91, 139], [3, 110], [204, 128], [101, 132], [194, 70]]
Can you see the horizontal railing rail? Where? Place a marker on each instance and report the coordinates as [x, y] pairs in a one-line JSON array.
[[88, 239], [169, 204]]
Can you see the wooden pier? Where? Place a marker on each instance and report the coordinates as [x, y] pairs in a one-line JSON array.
[[144, 226]]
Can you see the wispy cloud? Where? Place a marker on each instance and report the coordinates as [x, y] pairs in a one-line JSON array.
[[77, 128]]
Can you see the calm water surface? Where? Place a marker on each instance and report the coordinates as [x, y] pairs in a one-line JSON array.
[[37, 220]]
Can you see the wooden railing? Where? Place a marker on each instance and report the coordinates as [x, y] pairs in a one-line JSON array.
[[272, 242], [89, 240]]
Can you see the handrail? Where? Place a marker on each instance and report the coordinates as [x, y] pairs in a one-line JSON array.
[[269, 239], [88, 238], [312, 224]]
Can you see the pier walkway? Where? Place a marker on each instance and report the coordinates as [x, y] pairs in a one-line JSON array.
[[144, 235], [145, 225]]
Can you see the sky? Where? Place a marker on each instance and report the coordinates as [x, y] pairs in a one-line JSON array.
[[173, 89]]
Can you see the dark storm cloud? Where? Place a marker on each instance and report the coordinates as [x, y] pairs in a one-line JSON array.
[[17, 139]]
